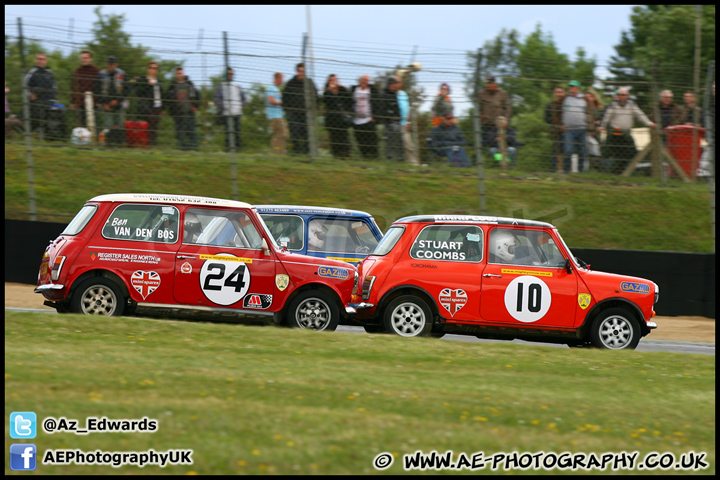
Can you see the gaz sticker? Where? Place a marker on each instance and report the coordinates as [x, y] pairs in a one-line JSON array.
[[527, 299], [226, 281]]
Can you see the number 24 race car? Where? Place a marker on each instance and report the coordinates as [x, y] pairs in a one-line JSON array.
[[197, 253]]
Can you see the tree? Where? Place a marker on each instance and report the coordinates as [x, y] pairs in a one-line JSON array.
[[110, 39], [661, 42]]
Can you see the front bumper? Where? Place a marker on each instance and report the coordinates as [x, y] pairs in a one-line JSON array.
[[651, 325]]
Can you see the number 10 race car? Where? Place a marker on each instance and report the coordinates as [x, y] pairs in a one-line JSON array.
[[498, 278]]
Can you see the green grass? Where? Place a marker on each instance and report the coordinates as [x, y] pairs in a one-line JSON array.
[[271, 400], [591, 210]]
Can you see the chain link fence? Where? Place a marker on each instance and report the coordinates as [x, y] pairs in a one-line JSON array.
[[455, 110]]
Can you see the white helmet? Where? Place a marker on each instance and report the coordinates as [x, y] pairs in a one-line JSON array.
[[192, 229], [316, 235], [502, 244]]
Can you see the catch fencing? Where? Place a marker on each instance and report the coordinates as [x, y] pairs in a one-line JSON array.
[[515, 131]]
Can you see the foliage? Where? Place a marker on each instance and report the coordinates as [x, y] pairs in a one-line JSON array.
[[661, 42]]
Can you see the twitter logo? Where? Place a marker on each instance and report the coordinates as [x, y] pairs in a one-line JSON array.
[[23, 425]]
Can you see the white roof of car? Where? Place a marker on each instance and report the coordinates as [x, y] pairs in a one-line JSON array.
[[169, 198], [307, 209]]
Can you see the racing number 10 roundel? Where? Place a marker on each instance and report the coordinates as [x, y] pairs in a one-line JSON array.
[[527, 299], [225, 278]]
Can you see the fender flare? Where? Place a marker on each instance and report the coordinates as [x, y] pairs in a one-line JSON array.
[[619, 302]]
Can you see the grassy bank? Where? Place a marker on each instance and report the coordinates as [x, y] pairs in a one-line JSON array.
[[591, 210], [271, 400]]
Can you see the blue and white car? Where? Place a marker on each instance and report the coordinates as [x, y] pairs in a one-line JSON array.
[[335, 233]]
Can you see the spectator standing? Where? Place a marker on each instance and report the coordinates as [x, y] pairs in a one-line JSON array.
[[43, 91], [689, 110], [494, 106], [183, 101], [296, 108], [390, 117], [447, 139], [575, 124], [148, 92], [83, 80], [365, 104], [594, 117], [112, 96], [619, 118], [670, 113], [442, 105], [405, 127], [230, 101], [274, 114], [338, 116], [553, 117]]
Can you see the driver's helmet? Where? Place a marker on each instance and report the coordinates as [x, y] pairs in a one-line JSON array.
[[192, 228], [502, 244], [316, 235]]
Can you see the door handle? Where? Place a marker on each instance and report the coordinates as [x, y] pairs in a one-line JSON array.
[[183, 257], [491, 275]]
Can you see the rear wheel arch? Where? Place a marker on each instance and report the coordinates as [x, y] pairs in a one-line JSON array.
[[407, 290], [100, 273]]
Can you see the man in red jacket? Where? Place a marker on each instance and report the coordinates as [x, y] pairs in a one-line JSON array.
[[83, 80]]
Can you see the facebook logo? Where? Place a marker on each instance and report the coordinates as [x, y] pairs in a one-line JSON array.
[[23, 425], [23, 456]]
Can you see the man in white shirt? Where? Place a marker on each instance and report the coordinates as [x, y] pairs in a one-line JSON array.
[[230, 100], [365, 98]]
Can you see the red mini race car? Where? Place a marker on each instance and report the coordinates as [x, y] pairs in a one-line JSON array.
[[499, 278], [198, 253]]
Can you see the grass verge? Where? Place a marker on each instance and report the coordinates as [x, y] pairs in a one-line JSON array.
[[270, 400], [591, 210]]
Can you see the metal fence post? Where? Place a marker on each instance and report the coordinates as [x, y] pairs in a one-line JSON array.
[[478, 136], [28, 126], [229, 132], [710, 137]]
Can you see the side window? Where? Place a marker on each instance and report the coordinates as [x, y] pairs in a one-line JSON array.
[[286, 228], [523, 247], [145, 223], [340, 235], [220, 228], [455, 243]]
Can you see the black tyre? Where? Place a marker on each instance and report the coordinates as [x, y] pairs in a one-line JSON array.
[[98, 296], [615, 329], [314, 310], [408, 316]]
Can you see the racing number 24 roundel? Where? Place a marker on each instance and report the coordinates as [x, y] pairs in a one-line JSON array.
[[225, 278], [527, 298]]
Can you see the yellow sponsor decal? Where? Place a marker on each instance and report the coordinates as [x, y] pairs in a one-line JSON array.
[[349, 260], [526, 272], [282, 282], [224, 258], [584, 300]]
